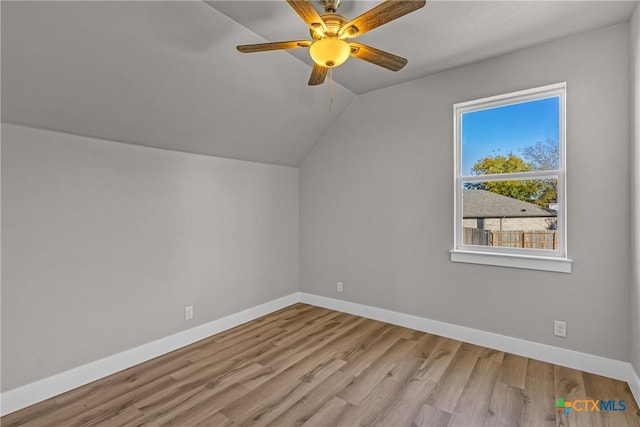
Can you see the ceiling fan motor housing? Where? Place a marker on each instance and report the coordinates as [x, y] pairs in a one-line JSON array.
[[333, 22]]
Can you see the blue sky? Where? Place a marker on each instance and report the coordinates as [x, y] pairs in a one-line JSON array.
[[508, 129]]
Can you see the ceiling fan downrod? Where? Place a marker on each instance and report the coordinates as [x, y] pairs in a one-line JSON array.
[[330, 6]]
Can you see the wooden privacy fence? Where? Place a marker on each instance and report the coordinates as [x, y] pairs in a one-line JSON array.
[[476, 236], [538, 239]]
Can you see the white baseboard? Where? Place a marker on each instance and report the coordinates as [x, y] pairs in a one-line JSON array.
[[38, 391], [559, 356]]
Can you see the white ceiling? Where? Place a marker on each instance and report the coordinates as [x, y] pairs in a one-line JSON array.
[[166, 74]]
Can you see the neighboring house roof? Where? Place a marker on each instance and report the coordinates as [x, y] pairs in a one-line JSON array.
[[485, 204]]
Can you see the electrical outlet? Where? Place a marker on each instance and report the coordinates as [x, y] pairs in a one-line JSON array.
[[560, 328], [339, 287], [188, 313]]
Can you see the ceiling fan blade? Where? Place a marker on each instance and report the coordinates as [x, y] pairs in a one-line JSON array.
[[262, 47], [308, 13], [318, 75], [381, 14], [376, 56]]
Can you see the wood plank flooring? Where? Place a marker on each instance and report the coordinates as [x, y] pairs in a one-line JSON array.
[[310, 366]]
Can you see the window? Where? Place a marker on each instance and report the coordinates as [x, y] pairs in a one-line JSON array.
[[510, 207]]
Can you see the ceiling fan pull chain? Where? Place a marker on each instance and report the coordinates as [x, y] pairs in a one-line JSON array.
[[330, 88]]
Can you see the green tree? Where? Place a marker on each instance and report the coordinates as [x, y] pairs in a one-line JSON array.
[[547, 192], [521, 190], [501, 164], [538, 191]]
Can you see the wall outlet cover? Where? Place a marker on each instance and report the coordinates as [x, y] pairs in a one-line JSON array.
[[560, 328]]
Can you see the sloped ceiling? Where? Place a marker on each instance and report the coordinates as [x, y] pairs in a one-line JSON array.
[[440, 36], [162, 74], [166, 74]]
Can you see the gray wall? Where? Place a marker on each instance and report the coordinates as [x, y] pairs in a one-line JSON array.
[[377, 201], [104, 244], [635, 189]]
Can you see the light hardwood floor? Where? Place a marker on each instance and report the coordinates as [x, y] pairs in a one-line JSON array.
[[305, 365]]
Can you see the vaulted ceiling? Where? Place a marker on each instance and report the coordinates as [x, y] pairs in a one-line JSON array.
[[167, 74]]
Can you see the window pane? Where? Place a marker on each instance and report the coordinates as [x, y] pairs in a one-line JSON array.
[[511, 138], [514, 214]]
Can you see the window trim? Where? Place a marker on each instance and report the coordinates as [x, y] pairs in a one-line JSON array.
[[500, 256]]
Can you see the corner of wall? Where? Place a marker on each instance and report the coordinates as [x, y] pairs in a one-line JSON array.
[[634, 290]]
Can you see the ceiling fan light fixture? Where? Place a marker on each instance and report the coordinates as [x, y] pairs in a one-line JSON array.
[[330, 52]]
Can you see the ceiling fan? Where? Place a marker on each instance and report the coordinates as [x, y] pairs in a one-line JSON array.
[[330, 32]]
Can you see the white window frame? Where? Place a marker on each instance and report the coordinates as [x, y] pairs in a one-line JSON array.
[[535, 259]]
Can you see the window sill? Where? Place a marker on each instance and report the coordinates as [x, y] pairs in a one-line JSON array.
[[559, 265]]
